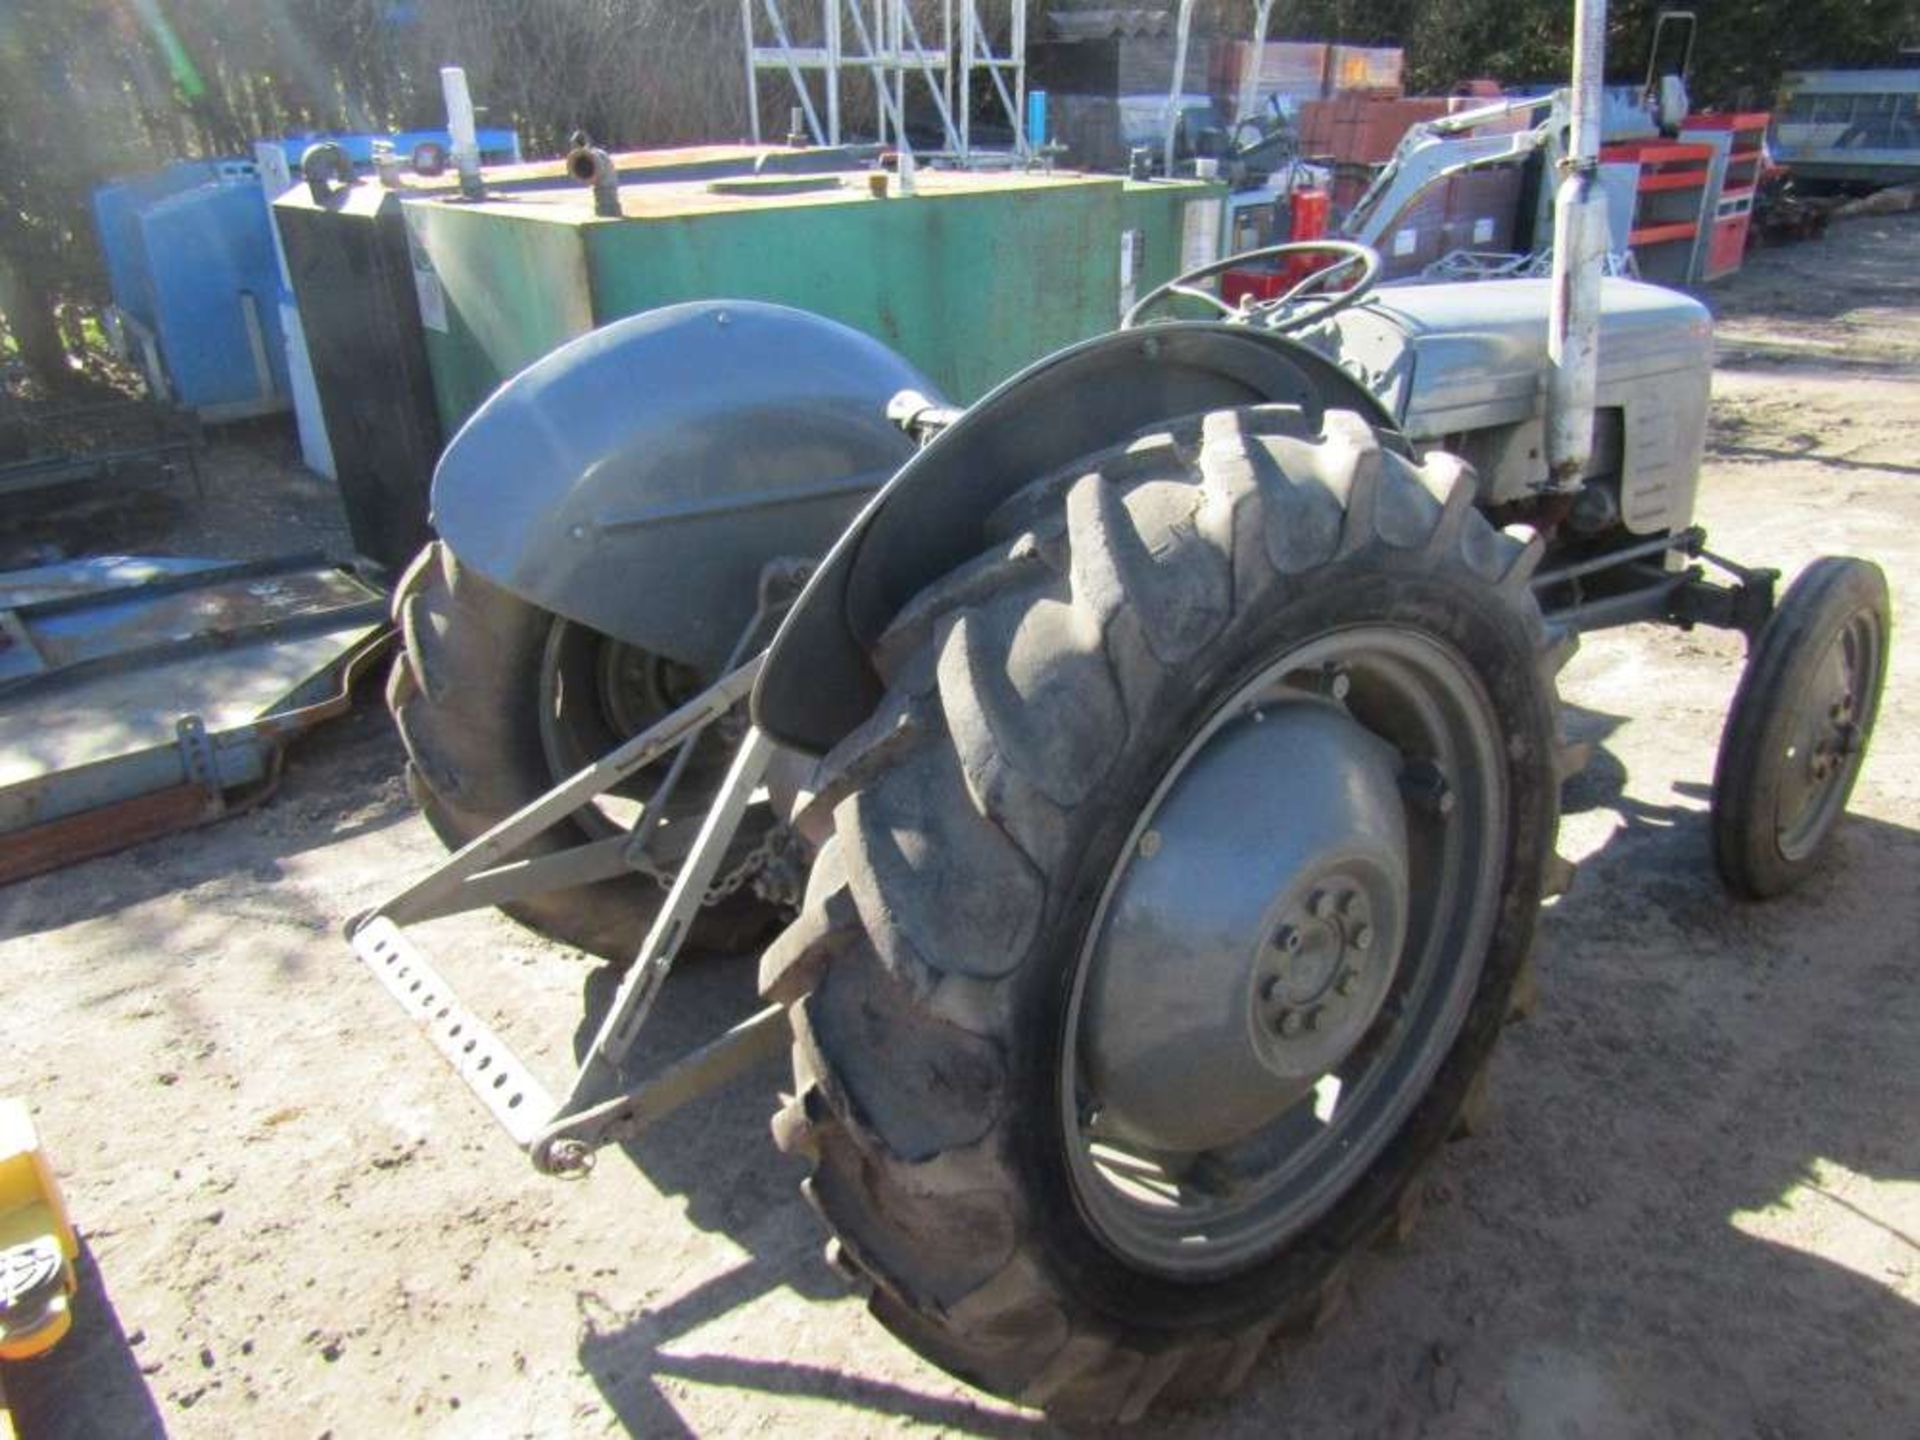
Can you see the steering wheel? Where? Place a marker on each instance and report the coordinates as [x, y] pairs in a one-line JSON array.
[[1348, 256]]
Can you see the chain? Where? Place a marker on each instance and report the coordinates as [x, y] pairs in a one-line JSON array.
[[770, 847], [782, 876]]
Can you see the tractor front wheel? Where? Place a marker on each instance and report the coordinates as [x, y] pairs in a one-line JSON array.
[[1799, 726], [1175, 897]]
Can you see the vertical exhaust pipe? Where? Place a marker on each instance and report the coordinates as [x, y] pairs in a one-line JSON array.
[[1579, 250], [1183, 27], [460, 125]]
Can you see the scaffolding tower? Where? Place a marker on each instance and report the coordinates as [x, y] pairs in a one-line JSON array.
[[882, 38]]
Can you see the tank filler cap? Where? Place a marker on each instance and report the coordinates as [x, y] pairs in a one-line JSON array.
[[774, 184]]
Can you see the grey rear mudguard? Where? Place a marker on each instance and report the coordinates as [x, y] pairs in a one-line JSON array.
[[638, 478], [817, 684]]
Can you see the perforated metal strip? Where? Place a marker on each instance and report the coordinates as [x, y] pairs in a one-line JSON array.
[[518, 1101]]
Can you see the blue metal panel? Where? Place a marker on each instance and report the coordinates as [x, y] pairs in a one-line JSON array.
[[117, 207], [208, 251]]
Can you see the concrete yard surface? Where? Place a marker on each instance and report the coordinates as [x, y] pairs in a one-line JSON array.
[[1695, 1210]]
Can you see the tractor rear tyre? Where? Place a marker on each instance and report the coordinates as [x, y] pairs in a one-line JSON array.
[[1175, 897], [1799, 726], [498, 700]]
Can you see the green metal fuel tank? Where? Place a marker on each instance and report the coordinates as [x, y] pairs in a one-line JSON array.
[[353, 280], [971, 276]]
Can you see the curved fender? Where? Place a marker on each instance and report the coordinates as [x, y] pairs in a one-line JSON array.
[[817, 685], [636, 479]]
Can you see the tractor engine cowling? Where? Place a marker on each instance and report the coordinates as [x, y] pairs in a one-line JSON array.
[[1460, 366]]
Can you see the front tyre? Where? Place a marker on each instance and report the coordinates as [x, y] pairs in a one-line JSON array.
[[1798, 729], [1176, 893]]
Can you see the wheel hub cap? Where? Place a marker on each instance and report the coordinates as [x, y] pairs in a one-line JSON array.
[[1328, 973], [1825, 748], [1253, 930]]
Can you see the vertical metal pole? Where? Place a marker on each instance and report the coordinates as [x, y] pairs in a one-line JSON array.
[[946, 49], [831, 16], [898, 11], [966, 80], [1579, 246], [1183, 29], [1250, 78], [1021, 141], [871, 21], [753, 71], [896, 59]]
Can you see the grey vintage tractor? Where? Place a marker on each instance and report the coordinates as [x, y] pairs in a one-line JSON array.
[[1156, 766]]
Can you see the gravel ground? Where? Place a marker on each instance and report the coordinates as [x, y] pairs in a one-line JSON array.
[[1696, 1209]]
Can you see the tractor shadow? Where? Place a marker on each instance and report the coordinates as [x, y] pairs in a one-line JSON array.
[[1688, 1214], [749, 1192], [1703, 1081], [91, 1383]]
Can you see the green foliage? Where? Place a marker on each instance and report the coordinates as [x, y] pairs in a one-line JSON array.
[[1744, 45]]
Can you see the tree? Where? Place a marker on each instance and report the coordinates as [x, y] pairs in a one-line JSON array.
[[45, 168], [90, 89]]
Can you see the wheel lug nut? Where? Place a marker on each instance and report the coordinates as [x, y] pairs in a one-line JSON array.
[[1313, 1018], [1362, 936], [1348, 979], [1427, 788], [1288, 939], [1289, 1022], [1348, 899], [1320, 904]]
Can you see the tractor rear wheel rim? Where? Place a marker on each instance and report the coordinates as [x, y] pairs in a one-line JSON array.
[[1348, 981], [595, 692], [1826, 742]]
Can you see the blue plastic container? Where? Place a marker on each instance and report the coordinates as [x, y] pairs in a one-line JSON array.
[[117, 206], [190, 259], [215, 288]]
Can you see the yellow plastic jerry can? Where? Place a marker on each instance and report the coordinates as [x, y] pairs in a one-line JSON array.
[[38, 1247]]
